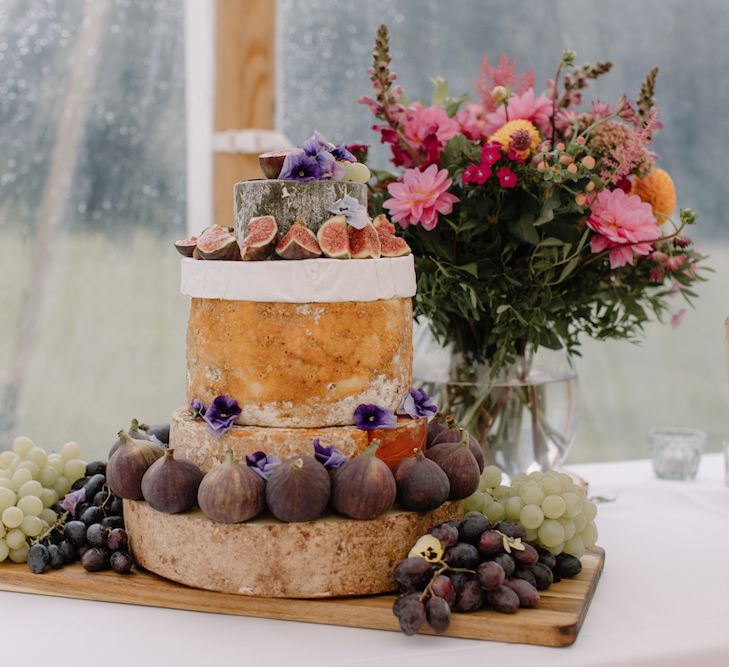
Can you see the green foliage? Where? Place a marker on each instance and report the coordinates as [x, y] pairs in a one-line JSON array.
[[514, 267]]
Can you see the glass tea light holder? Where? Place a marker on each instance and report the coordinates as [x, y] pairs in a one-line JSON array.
[[676, 452]]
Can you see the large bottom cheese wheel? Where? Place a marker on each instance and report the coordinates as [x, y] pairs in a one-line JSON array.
[[332, 556]]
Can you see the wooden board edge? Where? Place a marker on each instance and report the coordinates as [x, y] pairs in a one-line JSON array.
[[349, 612]]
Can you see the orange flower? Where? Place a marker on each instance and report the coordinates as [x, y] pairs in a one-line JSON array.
[[657, 189]]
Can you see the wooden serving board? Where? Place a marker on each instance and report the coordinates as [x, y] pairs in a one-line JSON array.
[[555, 622]]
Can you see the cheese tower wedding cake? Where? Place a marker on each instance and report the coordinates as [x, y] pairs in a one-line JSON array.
[[300, 318]]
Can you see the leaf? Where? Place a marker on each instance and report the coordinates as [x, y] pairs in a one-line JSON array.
[[548, 208], [551, 241], [524, 230], [568, 269], [471, 268]]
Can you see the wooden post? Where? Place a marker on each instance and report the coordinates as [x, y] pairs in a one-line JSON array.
[[244, 89]]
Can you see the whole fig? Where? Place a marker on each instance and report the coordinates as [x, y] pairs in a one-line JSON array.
[[170, 485], [453, 435], [421, 484], [231, 492], [438, 425], [298, 489], [134, 432], [363, 487], [459, 464], [127, 466]]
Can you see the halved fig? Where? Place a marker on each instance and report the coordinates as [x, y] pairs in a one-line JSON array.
[[186, 247], [218, 243], [272, 162], [364, 243], [333, 238], [260, 239], [299, 243]]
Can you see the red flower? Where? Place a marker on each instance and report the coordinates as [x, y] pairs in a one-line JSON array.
[[507, 178], [491, 153], [477, 173]]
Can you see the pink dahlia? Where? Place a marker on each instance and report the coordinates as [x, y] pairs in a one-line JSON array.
[[472, 121], [420, 197], [537, 110], [421, 122], [624, 224]]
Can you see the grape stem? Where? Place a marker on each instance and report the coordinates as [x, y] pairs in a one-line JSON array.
[[59, 522], [428, 592]]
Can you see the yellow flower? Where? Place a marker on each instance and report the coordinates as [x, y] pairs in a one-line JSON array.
[[658, 190], [504, 136]]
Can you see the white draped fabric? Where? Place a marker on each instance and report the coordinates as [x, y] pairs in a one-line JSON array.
[[663, 600]]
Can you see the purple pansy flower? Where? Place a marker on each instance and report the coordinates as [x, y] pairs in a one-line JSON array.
[[298, 166], [330, 168], [351, 209], [330, 457], [221, 415], [416, 404], [341, 153], [315, 144], [368, 417], [71, 500], [261, 464], [197, 408]]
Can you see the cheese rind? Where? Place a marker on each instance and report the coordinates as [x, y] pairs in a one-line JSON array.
[[300, 365], [332, 556], [302, 281]]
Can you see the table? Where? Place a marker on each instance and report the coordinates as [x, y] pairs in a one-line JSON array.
[[663, 600]]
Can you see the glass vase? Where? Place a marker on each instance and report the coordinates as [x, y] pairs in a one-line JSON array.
[[524, 418]]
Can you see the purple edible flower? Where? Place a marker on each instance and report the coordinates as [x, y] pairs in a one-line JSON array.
[[298, 166], [221, 415], [416, 404], [261, 464], [197, 407], [341, 153], [351, 209], [368, 417], [315, 144], [71, 499], [330, 457], [330, 168]]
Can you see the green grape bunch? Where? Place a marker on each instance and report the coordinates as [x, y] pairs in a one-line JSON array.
[[32, 481], [554, 511]]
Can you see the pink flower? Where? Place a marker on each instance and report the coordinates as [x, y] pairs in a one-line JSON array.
[[504, 74], [472, 121], [477, 173], [601, 110], [420, 197], [624, 224], [677, 318], [656, 275], [491, 153], [537, 110], [507, 178], [420, 122], [674, 263]]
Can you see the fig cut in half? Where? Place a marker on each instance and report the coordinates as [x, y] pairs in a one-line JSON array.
[[260, 239], [333, 237], [218, 243], [298, 243], [186, 247], [364, 243]]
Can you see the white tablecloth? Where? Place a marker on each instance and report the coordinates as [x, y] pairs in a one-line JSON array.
[[663, 600]]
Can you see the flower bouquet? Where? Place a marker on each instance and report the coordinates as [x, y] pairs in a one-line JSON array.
[[533, 220]]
